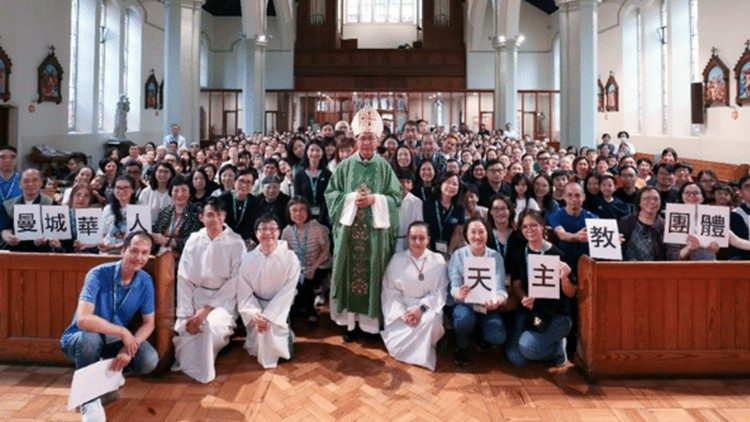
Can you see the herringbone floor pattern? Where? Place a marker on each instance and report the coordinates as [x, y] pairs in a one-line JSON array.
[[330, 380]]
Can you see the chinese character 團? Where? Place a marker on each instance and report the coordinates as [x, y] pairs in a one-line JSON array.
[[679, 222], [26, 222], [712, 225], [601, 235], [479, 278]]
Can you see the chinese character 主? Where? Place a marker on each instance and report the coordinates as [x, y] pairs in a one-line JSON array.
[[679, 222], [479, 278], [712, 225], [601, 235], [26, 222], [543, 276], [54, 223]]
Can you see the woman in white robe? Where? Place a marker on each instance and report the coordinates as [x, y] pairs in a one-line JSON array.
[[207, 294], [268, 282], [415, 287]]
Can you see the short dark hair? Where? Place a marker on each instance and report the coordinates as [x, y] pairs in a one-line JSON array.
[[622, 132], [132, 235], [298, 200], [152, 179], [418, 223], [178, 180], [468, 223], [668, 167], [266, 218], [215, 203], [131, 163], [250, 170], [9, 148]]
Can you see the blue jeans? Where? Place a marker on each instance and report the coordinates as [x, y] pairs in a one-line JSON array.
[[465, 320], [528, 345], [85, 348]]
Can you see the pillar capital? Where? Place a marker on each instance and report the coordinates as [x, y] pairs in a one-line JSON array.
[[194, 4], [258, 42], [500, 43]]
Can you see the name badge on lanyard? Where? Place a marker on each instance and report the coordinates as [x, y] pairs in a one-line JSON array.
[[441, 246]]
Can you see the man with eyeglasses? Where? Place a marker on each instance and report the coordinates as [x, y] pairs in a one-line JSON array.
[[267, 284], [739, 220], [628, 192], [494, 184], [134, 169], [31, 186], [242, 207]]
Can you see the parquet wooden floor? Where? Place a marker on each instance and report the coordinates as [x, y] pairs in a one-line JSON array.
[[330, 380]]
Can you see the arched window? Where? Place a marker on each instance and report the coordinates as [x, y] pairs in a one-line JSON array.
[[131, 69]]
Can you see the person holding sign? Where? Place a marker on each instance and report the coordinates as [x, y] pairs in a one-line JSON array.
[[644, 232], [112, 294], [114, 215], [414, 292], [31, 193], [691, 193], [466, 315], [540, 325], [80, 198], [175, 223]]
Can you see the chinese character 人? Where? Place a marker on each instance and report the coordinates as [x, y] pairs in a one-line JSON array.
[[137, 224]]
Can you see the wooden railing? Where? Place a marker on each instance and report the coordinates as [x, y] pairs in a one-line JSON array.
[[664, 318], [39, 295], [726, 172]]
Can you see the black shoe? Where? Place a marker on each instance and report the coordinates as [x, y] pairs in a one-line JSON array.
[[349, 336], [461, 358]]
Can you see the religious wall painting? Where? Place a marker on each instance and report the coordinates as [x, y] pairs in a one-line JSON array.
[[50, 77], [5, 67], [152, 92], [161, 95], [742, 76], [612, 93], [600, 95], [715, 82]]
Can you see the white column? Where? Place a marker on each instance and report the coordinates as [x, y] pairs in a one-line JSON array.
[[578, 67], [182, 25], [506, 88], [254, 84]]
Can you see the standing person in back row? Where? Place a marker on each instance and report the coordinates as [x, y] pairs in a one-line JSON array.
[[363, 197], [174, 137]]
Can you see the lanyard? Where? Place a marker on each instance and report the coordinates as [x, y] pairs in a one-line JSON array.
[[115, 305], [499, 246], [175, 225], [13, 183], [242, 210], [301, 248], [545, 248], [440, 221], [313, 186]]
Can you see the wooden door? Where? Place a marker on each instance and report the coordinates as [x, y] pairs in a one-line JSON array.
[[4, 126]]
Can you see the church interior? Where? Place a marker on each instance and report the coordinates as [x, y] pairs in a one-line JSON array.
[[672, 73]]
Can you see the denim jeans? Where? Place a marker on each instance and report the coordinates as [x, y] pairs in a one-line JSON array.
[[527, 345], [465, 320], [85, 348]]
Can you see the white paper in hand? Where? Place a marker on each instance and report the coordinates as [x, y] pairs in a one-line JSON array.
[[93, 381], [479, 274]]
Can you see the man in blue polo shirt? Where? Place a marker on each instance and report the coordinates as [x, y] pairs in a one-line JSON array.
[[112, 293]]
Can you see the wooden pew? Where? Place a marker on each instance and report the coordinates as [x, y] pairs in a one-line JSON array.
[[39, 295], [641, 319], [724, 171]]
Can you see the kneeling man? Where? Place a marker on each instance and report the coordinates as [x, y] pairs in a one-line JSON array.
[[268, 282], [112, 293], [415, 286], [207, 293]]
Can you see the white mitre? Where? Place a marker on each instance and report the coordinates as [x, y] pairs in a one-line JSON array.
[[367, 120]]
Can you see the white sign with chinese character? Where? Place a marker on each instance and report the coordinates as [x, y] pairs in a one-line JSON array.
[[679, 221], [139, 218], [56, 222], [88, 225], [479, 274], [27, 221], [604, 239], [544, 276], [712, 225]]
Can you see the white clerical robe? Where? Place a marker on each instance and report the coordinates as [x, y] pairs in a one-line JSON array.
[[409, 212], [207, 275], [267, 286], [403, 291]]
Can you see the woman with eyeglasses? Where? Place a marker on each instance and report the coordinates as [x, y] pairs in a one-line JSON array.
[[114, 216], [540, 325], [644, 232]]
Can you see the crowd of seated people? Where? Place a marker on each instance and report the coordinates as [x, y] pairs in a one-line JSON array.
[[464, 194]]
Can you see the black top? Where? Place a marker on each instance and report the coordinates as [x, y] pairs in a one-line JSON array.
[[486, 193], [516, 267], [442, 221], [277, 208], [241, 215], [303, 186]]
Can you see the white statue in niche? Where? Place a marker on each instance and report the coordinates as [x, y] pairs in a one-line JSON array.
[[121, 119]]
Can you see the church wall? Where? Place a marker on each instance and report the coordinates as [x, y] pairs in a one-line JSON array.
[[721, 138], [27, 29]]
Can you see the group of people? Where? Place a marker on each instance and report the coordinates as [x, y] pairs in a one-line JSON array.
[[260, 225]]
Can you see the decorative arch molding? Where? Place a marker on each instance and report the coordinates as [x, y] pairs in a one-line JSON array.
[[255, 23]]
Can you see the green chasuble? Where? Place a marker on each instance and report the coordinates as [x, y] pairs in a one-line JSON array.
[[361, 252]]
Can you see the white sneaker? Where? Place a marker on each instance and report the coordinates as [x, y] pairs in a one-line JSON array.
[[93, 411]]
